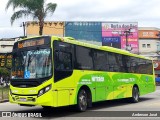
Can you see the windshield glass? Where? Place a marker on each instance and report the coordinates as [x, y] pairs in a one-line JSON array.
[[31, 64]]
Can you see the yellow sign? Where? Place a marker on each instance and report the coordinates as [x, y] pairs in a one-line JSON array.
[[6, 60]]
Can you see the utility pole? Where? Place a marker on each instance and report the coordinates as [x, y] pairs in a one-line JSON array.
[[24, 29], [126, 34]]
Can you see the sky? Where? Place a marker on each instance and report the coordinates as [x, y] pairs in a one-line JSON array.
[[145, 12]]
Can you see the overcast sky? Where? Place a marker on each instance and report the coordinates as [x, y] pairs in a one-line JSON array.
[[145, 12]]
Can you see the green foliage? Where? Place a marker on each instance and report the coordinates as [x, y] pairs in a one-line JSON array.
[[4, 71], [37, 9]]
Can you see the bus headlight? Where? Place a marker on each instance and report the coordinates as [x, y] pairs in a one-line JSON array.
[[44, 90]]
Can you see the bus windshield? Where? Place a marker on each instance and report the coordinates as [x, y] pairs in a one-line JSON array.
[[32, 64]]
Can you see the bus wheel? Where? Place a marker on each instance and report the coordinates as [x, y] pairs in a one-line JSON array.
[[82, 100], [135, 95]]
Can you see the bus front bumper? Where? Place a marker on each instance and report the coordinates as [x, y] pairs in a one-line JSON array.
[[46, 99]]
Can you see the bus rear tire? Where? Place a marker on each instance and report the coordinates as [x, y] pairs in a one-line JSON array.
[[135, 95], [82, 100]]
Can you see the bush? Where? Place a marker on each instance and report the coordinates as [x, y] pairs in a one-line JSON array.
[[4, 72]]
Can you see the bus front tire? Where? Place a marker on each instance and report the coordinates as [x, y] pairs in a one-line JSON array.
[[82, 101], [135, 95]]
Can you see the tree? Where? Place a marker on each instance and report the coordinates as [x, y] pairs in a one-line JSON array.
[[4, 72], [38, 9]]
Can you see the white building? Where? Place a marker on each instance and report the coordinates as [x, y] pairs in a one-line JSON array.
[[6, 45], [149, 42]]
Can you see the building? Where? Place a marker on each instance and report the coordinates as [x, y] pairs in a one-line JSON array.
[[114, 34], [149, 42], [50, 28], [149, 45], [122, 35], [6, 45]]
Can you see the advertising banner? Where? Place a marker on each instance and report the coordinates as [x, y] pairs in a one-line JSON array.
[[120, 29], [91, 31], [2, 60], [6, 60], [111, 41], [148, 34]]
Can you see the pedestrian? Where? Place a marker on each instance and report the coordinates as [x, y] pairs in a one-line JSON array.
[[1, 80]]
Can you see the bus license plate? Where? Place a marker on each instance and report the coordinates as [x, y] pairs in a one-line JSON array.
[[23, 99]]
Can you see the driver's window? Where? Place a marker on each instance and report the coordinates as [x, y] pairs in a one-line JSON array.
[[63, 61]]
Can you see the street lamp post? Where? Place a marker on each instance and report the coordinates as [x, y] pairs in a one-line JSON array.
[[24, 28], [127, 33]]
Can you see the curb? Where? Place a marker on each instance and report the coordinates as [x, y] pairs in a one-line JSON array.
[[2, 101]]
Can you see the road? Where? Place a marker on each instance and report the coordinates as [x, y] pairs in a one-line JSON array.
[[115, 109]]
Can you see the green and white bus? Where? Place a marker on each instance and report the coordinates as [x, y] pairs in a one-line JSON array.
[[53, 71]]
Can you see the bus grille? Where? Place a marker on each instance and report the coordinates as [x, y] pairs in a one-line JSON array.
[[24, 84]]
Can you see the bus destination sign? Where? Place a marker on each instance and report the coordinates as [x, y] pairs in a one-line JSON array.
[[30, 43]]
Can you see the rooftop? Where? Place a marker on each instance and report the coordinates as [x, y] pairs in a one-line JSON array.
[[148, 28]]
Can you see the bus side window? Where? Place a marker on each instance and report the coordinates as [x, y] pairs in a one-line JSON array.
[[126, 63], [149, 67], [113, 64], [100, 60], [133, 65]]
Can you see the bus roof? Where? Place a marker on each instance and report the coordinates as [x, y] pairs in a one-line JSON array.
[[105, 48]]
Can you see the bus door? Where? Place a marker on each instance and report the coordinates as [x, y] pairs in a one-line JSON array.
[[63, 69], [100, 64]]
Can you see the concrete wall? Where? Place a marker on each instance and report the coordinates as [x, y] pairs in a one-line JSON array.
[[50, 28], [153, 45], [6, 45]]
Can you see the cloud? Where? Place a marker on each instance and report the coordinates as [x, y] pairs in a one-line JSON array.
[[7, 32], [145, 12], [142, 11]]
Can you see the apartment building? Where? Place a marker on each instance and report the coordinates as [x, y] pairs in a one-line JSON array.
[[149, 42]]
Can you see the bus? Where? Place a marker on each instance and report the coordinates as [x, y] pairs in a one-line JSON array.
[[52, 71]]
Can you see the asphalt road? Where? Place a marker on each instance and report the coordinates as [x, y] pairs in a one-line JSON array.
[[115, 109]]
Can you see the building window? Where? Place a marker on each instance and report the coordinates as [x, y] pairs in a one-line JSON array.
[[144, 45], [148, 45]]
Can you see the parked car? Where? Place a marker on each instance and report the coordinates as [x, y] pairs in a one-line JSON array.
[[157, 80]]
